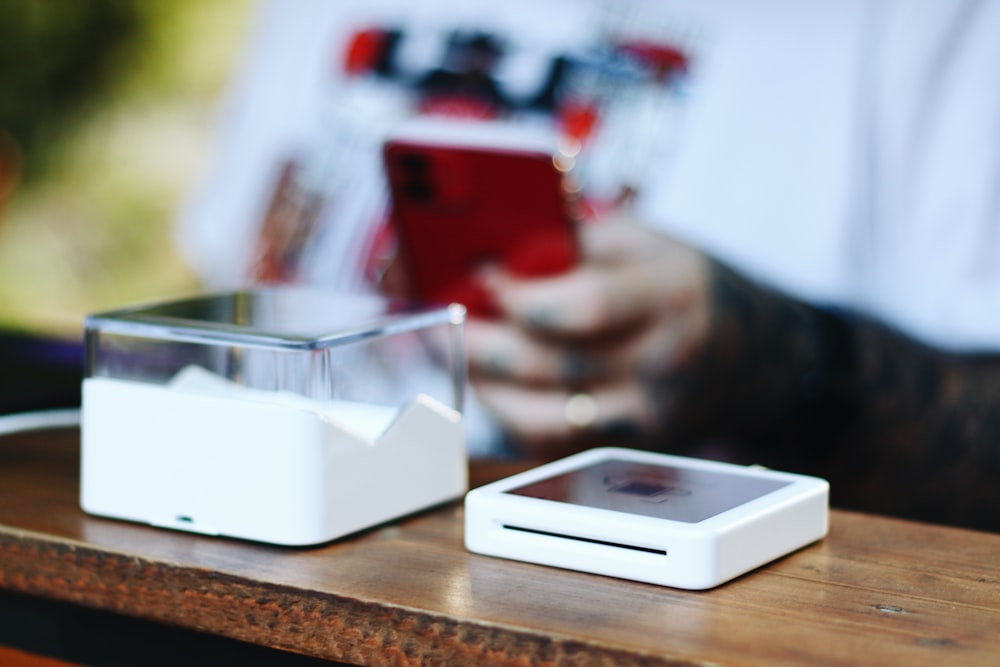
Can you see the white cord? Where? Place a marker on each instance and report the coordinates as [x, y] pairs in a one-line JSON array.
[[39, 420]]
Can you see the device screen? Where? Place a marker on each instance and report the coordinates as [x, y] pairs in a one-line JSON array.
[[665, 492]]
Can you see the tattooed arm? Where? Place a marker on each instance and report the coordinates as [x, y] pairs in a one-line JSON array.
[[897, 426], [672, 350]]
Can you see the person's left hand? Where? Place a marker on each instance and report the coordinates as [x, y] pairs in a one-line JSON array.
[[587, 356]]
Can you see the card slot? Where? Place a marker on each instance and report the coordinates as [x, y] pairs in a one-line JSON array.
[[588, 540]]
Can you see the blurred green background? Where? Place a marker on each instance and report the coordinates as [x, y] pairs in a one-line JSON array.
[[106, 109]]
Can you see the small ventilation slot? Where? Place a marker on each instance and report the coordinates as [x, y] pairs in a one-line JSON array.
[[589, 540]]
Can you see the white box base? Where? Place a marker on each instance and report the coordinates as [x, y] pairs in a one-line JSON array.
[[266, 471], [727, 519]]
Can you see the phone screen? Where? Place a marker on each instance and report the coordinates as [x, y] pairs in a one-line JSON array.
[[664, 492]]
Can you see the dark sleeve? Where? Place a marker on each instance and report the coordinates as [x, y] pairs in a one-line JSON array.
[[897, 426]]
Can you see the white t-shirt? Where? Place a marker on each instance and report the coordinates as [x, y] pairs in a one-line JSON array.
[[291, 96], [847, 152]]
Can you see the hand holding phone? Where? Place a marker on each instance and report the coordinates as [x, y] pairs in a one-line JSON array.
[[467, 194]]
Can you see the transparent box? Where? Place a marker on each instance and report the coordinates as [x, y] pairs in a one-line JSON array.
[[286, 415]]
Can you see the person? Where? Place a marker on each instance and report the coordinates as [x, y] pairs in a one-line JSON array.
[[793, 258]]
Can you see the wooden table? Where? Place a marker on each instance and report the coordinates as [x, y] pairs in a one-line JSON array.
[[876, 591]]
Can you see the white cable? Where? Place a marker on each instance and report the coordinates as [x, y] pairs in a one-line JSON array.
[[39, 420]]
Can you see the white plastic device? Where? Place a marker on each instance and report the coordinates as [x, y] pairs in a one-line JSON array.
[[284, 472], [651, 517], [287, 415]]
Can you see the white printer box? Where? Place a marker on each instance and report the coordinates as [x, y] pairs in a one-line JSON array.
[[645, 516], [281, 415]]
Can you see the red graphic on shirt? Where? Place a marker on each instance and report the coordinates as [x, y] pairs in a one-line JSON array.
[[463, 85]]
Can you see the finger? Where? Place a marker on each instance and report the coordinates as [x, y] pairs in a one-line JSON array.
[[503, 351], [537, 419], [393, 277], [601, 296], [615, 237], [586, 302]]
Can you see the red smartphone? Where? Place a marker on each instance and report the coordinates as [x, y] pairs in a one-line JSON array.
[[465, 194]]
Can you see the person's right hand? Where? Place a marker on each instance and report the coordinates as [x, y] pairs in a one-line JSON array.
[[588, 356]]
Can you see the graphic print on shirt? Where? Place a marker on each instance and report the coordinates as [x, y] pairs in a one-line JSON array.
[[615, 105]]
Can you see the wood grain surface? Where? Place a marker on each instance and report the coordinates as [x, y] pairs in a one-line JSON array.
[[876, 591]]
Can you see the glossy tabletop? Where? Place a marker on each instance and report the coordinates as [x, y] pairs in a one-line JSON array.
[[876, 591]]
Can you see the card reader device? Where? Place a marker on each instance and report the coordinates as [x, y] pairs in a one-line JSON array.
[[646, 516]]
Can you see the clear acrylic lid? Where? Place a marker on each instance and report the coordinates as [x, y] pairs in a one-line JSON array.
[[319, 344], [277, 317]]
